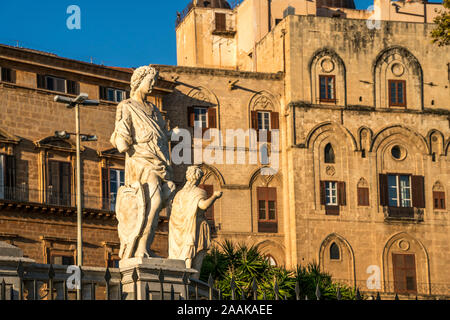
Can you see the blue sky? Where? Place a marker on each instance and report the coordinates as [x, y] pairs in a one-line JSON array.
[[113, 33]]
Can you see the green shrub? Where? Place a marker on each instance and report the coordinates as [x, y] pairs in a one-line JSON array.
[[245, 264]]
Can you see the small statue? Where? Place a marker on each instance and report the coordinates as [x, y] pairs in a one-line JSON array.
[[141, 132], [189, 232]]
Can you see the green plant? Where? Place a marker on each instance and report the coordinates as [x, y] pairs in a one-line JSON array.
[[243, 265], [441, 34]]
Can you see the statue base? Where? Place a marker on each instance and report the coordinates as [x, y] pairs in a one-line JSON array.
[[147, 278]]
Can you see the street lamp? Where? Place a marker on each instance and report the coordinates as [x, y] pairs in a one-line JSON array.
[[82, 99]]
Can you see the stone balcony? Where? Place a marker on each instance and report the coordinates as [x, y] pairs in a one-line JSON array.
[[403, 214]]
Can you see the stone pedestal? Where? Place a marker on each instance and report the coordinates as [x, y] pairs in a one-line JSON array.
[[138, 273], [10, 257]]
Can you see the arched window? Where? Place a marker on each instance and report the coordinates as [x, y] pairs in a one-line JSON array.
[[271, 260], [334, 252], [329, 154], [439, 196]]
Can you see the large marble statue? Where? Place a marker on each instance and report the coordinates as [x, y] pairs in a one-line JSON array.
[[189, 232], [141, 132]]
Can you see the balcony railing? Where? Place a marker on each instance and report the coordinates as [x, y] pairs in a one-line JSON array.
[[49, 197], [401, 213]]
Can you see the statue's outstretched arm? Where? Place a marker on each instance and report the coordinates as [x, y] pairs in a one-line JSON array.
[[206, 204]]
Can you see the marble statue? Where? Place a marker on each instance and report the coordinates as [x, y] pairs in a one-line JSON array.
[[189, 232], [140, 132]]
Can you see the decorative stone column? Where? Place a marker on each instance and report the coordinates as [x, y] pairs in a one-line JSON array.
[[147, 278]]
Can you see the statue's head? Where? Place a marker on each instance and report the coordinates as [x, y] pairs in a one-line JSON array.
[[144, 79], [194, 174]]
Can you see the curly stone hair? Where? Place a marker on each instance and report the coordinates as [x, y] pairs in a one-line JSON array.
[[139, 74], [194, 173]]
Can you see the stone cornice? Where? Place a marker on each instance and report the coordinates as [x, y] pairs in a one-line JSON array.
[[47, 60], [220, 72], [358, 108]]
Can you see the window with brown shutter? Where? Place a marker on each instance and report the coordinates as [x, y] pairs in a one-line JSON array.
[[191, 117], [59, 183], [265, 121], [2, 176], [384, 196], [397, 93], [327, 88], [254, 121], [113, 262], [62, 260], [10, 178], [7, 75], [404, 266], [342, 194], [103, 93], [105, 189], [333, 195], [418, 191], [209, 214], [40, 81], [363, 197], [439, 200], [322, 193], [275, 116], [221, 22], [7, 177], [401, 193], [73, 87], [267, 210], [112, 94], [212, 118]]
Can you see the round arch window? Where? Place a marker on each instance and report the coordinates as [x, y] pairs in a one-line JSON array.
[[398, 152]]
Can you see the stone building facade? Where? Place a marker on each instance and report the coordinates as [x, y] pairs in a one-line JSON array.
[[364, 125], [363, 117], [37, 176]]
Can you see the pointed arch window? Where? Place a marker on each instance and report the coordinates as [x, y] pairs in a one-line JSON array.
[[329, 154], [439, 196], [335, 253], [271, 260]]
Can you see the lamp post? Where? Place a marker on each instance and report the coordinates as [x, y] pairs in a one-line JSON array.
[[82, 99]]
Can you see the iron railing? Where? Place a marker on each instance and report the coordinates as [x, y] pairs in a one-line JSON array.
[[49, 282], [423, 290], [50, 197]]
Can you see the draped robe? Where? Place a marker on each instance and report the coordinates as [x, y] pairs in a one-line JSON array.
[[189, 232], [143, 129]]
